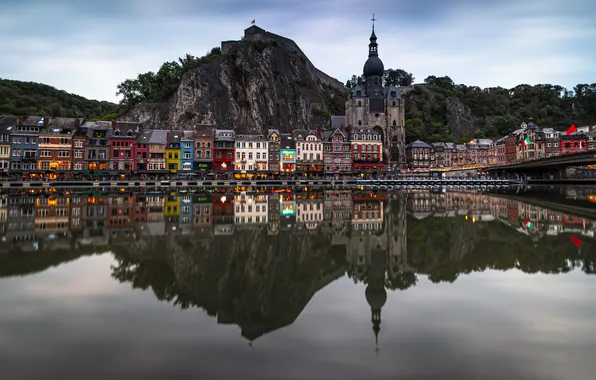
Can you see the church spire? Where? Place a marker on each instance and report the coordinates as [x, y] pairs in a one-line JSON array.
[[372, 46]]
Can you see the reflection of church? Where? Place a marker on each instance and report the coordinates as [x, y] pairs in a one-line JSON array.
[[377, 249]]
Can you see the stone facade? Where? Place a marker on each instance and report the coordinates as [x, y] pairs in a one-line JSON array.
[[371, 105]]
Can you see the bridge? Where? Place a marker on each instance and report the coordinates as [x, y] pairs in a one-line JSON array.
[[544, 168]]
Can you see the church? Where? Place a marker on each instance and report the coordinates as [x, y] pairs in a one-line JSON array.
[[372, 105]]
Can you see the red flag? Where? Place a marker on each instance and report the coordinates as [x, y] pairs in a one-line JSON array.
[[571, 130], [575, 241]]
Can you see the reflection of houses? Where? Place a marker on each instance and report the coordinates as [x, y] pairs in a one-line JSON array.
[[250, 209], [203, 211], [120, 221], [20, 229], [274, 212], [287, 206], [52, 221], [223, 214], [309, 212]]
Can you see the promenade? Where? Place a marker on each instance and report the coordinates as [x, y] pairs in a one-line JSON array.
[[261, 182]]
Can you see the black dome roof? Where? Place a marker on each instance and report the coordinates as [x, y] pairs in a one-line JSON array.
[[373, 67], [376, 297]]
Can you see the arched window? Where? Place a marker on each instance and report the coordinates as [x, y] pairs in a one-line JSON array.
[[394, 103], [394, 123], [359, 103], [369, 137], [363, 137], [359, 122]]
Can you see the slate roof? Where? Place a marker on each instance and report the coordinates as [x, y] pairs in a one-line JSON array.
[[218, 135], [418, 144], [287, 142], [204, 130], [66, 123], [158, 137], [144, 136], [338, 122], [250, 138], [272, 131], [175, 136], [7, 121]]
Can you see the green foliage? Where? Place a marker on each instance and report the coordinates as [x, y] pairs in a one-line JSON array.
[[30, 98], [496, 111], [153, 87], [395, 77], [321, 113]]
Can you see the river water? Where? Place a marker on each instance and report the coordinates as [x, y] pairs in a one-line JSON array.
[[421, 284]]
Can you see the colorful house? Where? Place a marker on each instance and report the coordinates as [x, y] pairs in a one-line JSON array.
[[173, 161], [157, 151], [7, 124], [24, 140], [337, 151], [223, 150], [203, 151], [186, 150], [141, 150], [287, 153], [122, 138], [55, 144], [97, 146]]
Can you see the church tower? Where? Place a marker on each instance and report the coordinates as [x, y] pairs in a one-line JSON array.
[[375, 106]]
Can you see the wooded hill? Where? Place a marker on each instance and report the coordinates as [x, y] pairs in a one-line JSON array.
[[30, 98]]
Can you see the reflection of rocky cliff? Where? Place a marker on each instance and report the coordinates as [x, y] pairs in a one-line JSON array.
[[252, 279]]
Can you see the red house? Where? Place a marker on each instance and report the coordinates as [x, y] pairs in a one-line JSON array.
[[122, 137], [140, 150], [573, 143], [223, 150]]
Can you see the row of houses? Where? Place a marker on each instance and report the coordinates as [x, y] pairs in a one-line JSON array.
[[35, 143], [529, 142]]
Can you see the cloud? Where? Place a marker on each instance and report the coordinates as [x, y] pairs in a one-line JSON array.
[[88, 47]]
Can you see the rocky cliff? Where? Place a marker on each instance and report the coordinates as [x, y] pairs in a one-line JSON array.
[[258, 83]]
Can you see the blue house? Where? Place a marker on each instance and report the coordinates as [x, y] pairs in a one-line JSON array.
[[187, 150], [24, 142]]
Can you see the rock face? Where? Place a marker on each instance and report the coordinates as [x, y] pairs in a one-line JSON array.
[[264, 81]]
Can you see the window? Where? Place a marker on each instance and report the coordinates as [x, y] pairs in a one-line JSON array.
[[264, 156], [199, 154], [187, 155], [175, 155], [78, 154], [218, 154], [208, 154], [229, 155]]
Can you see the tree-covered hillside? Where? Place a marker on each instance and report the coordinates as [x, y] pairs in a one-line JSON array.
[[30, 98], [438, 109]]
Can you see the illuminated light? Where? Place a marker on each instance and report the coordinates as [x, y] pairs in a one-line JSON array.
[[223, 199], [473, 219], [466, 217]]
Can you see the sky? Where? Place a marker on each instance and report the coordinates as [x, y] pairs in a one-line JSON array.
[[87, 47]]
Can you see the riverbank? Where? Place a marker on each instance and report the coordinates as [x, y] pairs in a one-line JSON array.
[[262, 182]]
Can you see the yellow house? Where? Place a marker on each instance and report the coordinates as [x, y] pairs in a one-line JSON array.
[[173, 154], [6, 125], [171, 207]]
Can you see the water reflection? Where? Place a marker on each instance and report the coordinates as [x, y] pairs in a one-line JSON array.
[[256, 259]]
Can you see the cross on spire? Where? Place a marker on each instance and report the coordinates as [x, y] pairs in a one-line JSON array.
[[373, 19]]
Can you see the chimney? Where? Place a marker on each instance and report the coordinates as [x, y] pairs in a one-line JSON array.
[[113, 123], [46, 121], [18, 121]]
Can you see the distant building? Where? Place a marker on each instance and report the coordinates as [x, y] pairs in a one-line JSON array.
[[223, 150], [418, 155], [287, 153]]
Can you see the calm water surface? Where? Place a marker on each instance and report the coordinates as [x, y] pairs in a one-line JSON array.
[[333, 285]]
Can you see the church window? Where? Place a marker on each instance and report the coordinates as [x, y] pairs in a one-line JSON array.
[[393, 95], [358, 93], [376, 81], [394, 123], [359, 102], [359, 122], [369, 138], [394, 103]]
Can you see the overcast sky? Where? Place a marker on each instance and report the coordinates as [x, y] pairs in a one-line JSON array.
[[87, 47]]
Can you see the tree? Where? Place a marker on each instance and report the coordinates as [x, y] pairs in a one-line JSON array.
[[397, 77], [160, 86], [352, 82]]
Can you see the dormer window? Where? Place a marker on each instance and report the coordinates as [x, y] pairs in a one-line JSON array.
[[129, 133], [358, 93], [116, 132], [393, 95]]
